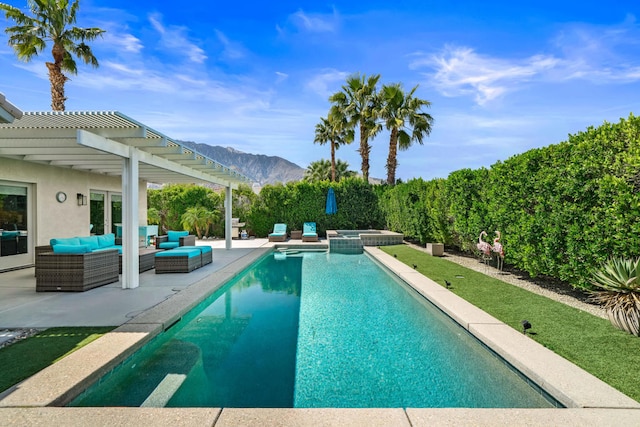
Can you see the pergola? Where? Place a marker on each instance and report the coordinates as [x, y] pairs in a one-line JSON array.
[[110, 143], [8, 111]]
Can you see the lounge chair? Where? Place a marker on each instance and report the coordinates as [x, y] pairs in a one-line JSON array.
[[279, 233], [174, 239], [309, 232]]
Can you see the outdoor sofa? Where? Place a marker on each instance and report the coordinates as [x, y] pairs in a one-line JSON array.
[[77, 263]]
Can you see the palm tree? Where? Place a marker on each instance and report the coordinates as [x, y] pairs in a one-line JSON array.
[[357, 101], [198, 218], [334, 129], [402, 115], [52, 21], [321, 171]]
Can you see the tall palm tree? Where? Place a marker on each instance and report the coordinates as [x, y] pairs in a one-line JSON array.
[[334, 129], [357, 100], [402, 116], [320, 170], [52, 21]]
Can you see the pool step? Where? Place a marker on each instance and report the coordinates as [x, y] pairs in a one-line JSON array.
[[161, 395]]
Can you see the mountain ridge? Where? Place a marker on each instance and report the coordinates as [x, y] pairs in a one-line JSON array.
[[259, 168]]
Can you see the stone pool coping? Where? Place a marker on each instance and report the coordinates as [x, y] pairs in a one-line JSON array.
[[590, 401]]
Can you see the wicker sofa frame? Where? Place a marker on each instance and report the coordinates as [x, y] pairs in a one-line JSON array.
[[75, 272]]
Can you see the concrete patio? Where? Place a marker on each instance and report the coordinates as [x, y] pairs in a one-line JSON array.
[[161, 300]]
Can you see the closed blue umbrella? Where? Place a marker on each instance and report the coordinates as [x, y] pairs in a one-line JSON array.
[[331, 206]]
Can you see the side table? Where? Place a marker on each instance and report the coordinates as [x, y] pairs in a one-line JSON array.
[[296, 234]]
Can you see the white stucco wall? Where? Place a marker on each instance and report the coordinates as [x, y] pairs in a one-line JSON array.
[[53, 219]]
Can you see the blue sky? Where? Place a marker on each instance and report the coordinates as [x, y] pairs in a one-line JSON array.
[[502, 77]]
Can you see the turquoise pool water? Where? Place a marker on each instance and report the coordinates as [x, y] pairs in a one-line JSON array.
[[314, 330]]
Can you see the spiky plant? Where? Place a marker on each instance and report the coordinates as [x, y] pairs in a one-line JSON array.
[[619, 291]]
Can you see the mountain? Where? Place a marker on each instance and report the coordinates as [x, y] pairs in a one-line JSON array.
[[259, 168]]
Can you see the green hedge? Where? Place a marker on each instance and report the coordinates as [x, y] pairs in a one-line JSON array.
[[299, 202], [562, 209]]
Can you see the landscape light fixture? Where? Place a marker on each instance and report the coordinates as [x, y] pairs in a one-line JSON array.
[[525, 325]]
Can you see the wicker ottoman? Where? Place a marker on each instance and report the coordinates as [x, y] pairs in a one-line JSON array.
[[206, 254], [178, 260]]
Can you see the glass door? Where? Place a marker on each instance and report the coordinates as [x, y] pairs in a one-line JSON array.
[[16, 225], [97, 214], [105, 212]]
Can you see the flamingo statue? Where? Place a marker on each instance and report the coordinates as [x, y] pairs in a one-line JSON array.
[[497, 248], [484, 247]]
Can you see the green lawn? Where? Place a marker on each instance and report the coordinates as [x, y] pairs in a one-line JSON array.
[[26, 357], [586, 340]]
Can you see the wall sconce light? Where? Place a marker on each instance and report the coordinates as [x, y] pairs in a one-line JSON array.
[[82, 199]]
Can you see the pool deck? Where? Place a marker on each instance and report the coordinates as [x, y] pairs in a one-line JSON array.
[[161, 300]]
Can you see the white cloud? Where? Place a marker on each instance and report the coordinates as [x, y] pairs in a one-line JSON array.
[[583, 52], [232, 50], [173, 38], [326, 82], [462, 71], [280, 77], [316, 23]]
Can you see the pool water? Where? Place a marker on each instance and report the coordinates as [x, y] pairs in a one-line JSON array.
[[314, 330]]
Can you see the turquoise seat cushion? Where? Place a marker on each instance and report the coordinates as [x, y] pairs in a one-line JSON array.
[[180, 252], [309, 234], [91, 241], [169, 245], [71, 249], [277, 234], [174, 236], [65, 241], [106, 240]]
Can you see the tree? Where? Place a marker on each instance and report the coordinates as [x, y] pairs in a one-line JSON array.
[[334, 129], [52, 21], [402, 116], [321, 171], [357, 101], [198, 218]]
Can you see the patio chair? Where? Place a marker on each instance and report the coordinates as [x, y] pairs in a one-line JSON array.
[[174, 239], [279, 233], [309, 232]]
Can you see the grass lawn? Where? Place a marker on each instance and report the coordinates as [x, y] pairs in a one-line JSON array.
[[586, 340], [26, 357]]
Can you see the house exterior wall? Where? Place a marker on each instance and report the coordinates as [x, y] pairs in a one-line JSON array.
[[53, 219]]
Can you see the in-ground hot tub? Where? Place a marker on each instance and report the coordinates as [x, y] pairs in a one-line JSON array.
[[352, 241]]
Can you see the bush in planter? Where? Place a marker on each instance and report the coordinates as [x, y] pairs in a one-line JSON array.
[[619, 291]]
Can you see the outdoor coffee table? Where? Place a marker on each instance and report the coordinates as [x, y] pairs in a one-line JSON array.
[[146, 259]]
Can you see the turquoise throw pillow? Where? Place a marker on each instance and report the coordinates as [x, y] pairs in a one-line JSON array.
[[71, 249], [65, 241], [91, 241], [107, 240]]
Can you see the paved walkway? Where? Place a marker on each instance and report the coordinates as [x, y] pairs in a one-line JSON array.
[[22, 308]]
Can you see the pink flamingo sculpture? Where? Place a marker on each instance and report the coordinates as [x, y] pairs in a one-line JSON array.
[[484, 247], [497, 248]]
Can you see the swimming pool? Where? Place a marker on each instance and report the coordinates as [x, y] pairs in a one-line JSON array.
[[314, 330]]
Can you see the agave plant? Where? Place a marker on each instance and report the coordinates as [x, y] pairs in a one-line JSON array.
[[619, 291]]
